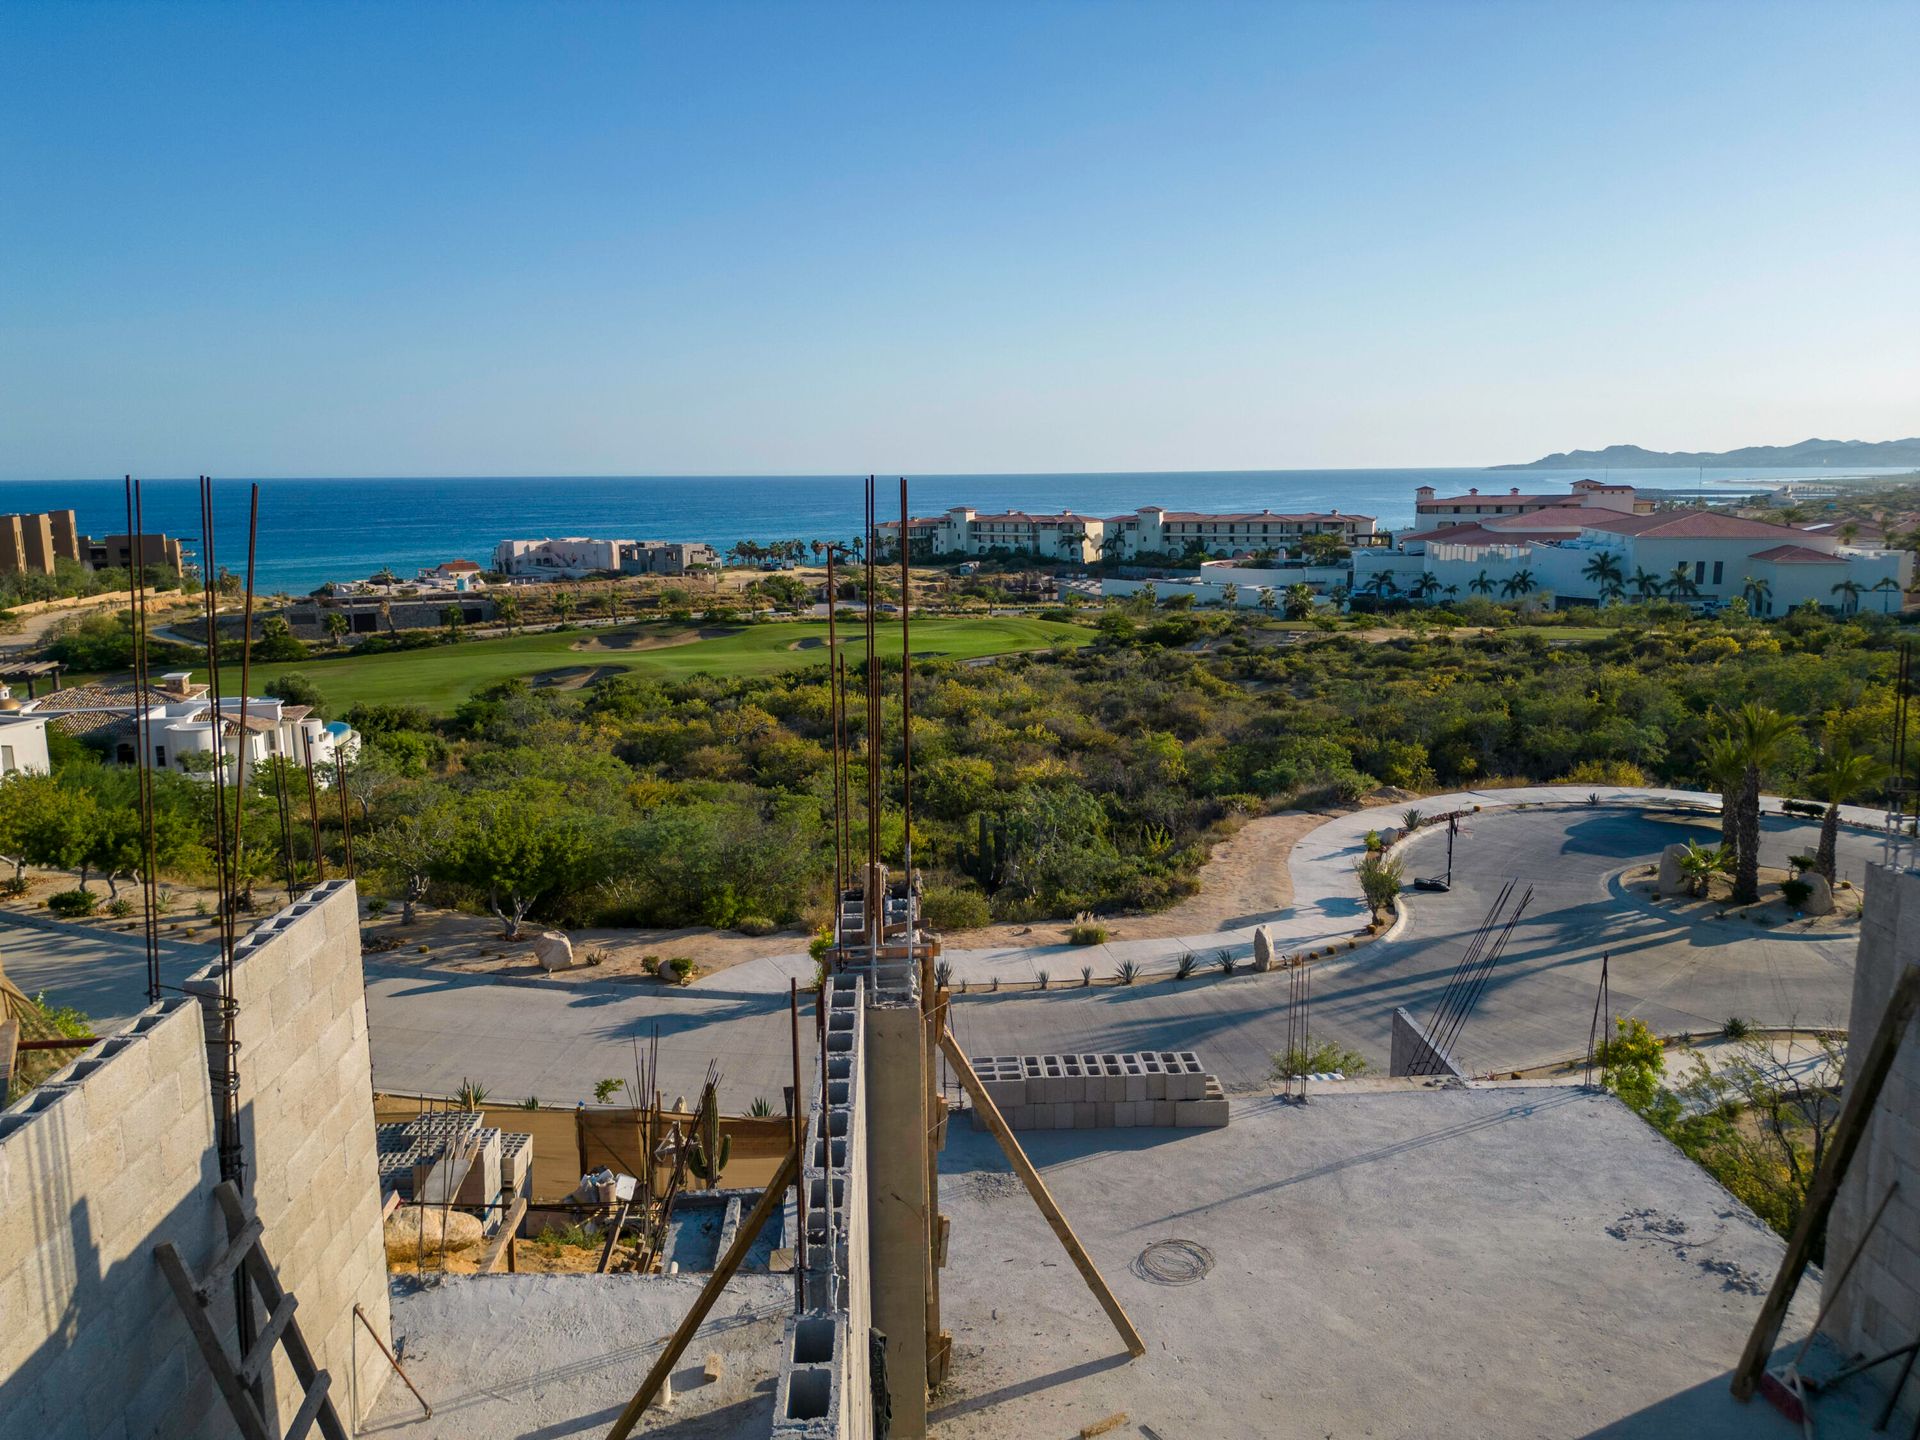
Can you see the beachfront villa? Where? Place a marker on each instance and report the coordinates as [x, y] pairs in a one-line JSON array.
[[181, 725], [1591, 494], [1149, 531], [1595, 544], [575, 557]]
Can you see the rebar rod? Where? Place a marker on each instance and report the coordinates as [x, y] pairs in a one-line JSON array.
[[246, 680]]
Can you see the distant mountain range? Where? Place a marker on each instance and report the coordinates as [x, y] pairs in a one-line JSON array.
[[1806, 453]]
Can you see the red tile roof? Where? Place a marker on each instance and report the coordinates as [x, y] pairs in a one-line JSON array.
[[1689, 525], [1798, 555], [1474, 533], [1254, 517]]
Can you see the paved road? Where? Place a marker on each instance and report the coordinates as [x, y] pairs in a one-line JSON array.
[[1538, 1004]]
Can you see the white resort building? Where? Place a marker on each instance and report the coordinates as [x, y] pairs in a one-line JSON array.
[[181, 723], [1597, 544], [575, 557], [1149, 531]]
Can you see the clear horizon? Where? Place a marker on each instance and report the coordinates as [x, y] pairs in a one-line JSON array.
[[517, 240]]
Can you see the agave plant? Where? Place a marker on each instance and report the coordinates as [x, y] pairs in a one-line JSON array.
[[470, 1096], [943, 973], [1127, 972], [1224, 959], [1043, 977], [1086, 974], [761, 1108], [1183, 967], [1413, 820]]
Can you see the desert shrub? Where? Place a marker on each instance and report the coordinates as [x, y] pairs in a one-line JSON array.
[[71, 903], [954, 907], [1326, 1058], [1183, 967], [1087, 933], [120, 907], [1796, 892], [681, 969], [754, 925]]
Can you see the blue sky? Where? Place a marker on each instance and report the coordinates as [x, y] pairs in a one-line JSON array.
[[307, 239]]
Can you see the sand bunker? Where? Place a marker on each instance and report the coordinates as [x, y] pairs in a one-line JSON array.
[[652, 639]]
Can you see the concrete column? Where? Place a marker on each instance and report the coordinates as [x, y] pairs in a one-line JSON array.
[[898, 1210]]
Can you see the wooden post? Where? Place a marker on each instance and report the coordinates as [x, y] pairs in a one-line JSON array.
[[770, 1198], [501, 1246], [1037, 1188], [1863, 1092], [9, 1039]]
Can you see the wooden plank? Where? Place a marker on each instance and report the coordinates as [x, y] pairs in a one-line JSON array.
[[1863, 1093], [1037, 1188], [260, 1356], [229, 1259], [613, 1237], [312, 1407], [771, 1199], [389, 1205], [245, 1414], [501, 1246]]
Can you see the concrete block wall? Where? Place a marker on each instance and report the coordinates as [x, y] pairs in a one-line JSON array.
[[1410, 1052], [1097, 1092], [823, 1390], [106, 1159], [1879, 1308], [306, 1119]]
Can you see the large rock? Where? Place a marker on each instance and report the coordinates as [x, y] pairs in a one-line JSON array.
[[1819, 894], [553, 950], [413, 1232], [1672, 881], [1262, 948]]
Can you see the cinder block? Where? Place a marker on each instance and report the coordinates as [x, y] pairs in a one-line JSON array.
[[1063, 1116], [1192, 1114], [1123, 1114], [1103, 1114], [1086, 1115], [1134, 1088], [1164, 1112]]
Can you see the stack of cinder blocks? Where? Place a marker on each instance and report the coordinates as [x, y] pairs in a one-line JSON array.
[[452, 1153], [1098, 1092]]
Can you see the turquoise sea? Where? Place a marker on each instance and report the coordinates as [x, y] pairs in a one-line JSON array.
[[316, 530]]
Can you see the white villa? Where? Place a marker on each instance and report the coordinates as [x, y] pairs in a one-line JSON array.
[[1597, 545], [574, 557], [182, 725], [1150, 530]]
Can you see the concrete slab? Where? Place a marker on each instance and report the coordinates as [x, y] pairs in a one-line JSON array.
[[1496, 1262], [541, 1357]]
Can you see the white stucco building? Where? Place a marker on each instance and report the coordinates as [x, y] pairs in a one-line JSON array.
[[574, 557], [1591, 554], [1149, 531], [182, 727]]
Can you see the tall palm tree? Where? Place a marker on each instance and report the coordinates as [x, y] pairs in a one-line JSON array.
[[1229, 595], [1611, 590], [1481, 584], [1298, 600], [1725, 770], [1844, 772], [1679, 584], [1604, 570], [1425, 587], [1382, 584], [1761, 734], [1890, 587], [1645, 582], [1755, 592], [1519, 583], [1851, 589], [1269, 599]]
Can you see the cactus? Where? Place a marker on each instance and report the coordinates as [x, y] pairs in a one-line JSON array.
[[697, 1161], [708, 1155]]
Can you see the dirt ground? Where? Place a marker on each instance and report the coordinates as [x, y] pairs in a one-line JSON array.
[[1771, 911], [181, 905], [1244, 882]]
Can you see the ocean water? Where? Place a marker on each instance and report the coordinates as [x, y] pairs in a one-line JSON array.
[[316, 530]]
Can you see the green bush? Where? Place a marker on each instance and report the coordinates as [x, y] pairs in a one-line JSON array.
[[1797, 892], [755, 925], [120, 908], [954, 907], [1087, 933], [681, 969], [71, 903]]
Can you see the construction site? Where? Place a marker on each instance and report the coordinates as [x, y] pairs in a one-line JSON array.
[[211, 1225]]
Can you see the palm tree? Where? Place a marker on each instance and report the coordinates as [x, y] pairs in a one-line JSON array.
[[1604, 570], [1517, 584], [1230, 595], [1725, 770], [337, 626], [1700, 863], [1481, 584], [1612, 590], [1844, 772], [1452, 592], [1761, 734], [1851, 589], [1382, 584], [1269, 599], [1680, 584], [1645, 582], [1755, 592], [1425, 587], [1890, 586], [564, 603], [1298, 600]]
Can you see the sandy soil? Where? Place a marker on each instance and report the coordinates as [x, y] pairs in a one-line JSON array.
[[1244, 882], [653, 640], [179, 903], [1771, 911]]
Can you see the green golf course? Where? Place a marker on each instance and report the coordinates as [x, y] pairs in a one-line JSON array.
[[438, 679]]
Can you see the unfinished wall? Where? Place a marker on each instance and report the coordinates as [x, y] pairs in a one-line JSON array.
[[117, 1153], [306, 1116], [823, 1391], [1411, 1053], [1879, 1308], [108, 1158]]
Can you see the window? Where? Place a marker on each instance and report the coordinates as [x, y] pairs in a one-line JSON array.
[[1699, 571], [1719, 569], [7, 766], [160, 756]]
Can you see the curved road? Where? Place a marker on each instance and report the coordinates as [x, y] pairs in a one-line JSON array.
[[554, 1039]]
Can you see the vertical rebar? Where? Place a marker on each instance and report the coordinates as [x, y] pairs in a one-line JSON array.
[[798, 1127], [839, 757], [246, 679], [906, 714]]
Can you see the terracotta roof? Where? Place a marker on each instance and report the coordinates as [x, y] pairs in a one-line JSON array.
[[1466, 533], [1797, 555], [1496, 497], [1024, 518], [1254, 516], [462, 565], [1689, 525], [1565, 518]]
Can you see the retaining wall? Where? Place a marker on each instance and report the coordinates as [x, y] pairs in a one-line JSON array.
[[1411, 1052]]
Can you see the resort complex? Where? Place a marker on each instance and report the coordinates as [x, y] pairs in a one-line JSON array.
[[1151, 532], [576, 557]]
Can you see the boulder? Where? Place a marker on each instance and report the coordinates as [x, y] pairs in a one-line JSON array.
[[1671, 881], [553, 950], [1262, 948], [413, 1232], [1819, 894]]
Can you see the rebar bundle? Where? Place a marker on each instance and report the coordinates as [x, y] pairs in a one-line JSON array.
[[1469, 979]]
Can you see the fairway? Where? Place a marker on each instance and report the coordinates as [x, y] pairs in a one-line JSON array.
[[438, 679]]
